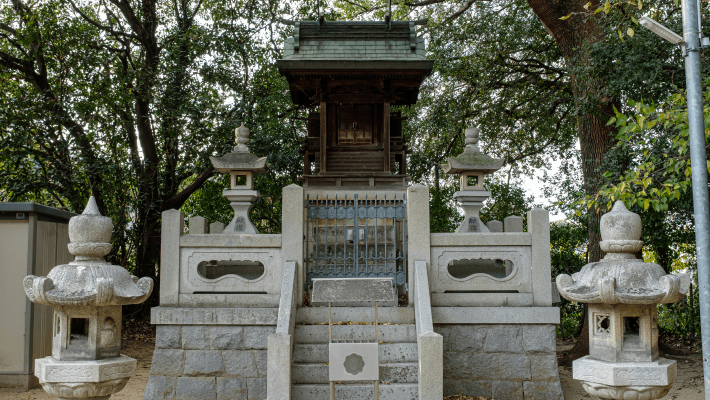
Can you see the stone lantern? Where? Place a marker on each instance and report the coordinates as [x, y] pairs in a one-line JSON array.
[[241, 165], [622, 292], [472, 165], [87, 295]]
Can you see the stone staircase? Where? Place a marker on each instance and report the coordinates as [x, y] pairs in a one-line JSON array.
[[398, 352]]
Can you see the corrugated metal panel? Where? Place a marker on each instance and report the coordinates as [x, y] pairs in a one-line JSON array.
[[45, 260], [13, 262]]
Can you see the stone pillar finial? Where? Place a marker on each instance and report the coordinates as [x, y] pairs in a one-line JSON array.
[[90, 234], [472, 140], [242, 139], [620, 230]]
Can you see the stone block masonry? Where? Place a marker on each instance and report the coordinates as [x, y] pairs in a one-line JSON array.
[[203, 362], [501, 361]]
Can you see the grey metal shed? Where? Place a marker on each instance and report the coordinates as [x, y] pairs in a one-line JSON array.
[[33, 239]]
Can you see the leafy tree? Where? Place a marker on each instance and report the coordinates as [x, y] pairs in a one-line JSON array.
[[125, 100]]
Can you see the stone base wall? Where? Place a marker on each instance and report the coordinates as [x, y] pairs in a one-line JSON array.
[[209, 362], [501, 361]]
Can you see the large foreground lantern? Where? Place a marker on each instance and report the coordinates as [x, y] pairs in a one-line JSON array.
[[623, 292], [87, 295]]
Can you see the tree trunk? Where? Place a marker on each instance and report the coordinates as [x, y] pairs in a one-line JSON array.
[[573, 34]]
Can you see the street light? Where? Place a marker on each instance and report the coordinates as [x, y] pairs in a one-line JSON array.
[[691, 42], [660, 30]]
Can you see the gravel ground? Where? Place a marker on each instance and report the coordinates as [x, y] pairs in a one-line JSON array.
[[689, 385]]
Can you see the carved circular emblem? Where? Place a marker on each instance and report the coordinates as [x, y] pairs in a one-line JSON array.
[[354, 364]]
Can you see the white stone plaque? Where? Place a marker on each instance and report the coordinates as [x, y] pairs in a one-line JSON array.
[[354, 362]]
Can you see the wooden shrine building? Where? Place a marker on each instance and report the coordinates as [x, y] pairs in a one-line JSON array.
[[354, 71]]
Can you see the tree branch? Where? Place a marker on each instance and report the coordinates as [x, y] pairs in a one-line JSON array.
[[461, 10], [99, 26], [180, 198]]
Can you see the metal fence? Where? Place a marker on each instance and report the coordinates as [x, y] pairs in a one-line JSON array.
[[356, 238]]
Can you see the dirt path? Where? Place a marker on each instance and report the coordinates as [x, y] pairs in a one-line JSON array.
[[141, 351], [689, 385]]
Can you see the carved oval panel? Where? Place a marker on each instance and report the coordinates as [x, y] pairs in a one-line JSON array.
[[462, 269], [249, 270]]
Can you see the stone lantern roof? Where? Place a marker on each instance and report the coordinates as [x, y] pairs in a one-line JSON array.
[[620, 277], [89, 279], [472, 159], [240, 159]]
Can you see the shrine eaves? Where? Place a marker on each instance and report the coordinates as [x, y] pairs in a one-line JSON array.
[[354, 71]]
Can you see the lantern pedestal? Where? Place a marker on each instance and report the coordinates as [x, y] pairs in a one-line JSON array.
[[619, 380], [472, 201], [242, 202]]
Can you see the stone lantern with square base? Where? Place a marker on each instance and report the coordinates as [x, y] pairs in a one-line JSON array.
[[241, 165], [622, 293], [472, 165], [87, 295]]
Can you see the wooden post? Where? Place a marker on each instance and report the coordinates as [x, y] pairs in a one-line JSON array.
[[323, 134], [306, 164], [386, 134]]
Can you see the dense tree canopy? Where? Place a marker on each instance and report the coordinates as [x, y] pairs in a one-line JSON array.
[[126, 100]]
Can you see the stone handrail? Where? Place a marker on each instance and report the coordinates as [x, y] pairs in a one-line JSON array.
[[430, 344], [280, 344]]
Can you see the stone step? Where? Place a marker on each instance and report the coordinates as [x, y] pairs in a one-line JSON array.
[[359, 391], [389, 373], [387, 333], [319, 315], [389, 353]]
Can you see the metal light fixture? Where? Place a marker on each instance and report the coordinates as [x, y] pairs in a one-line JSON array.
[[660, 30]]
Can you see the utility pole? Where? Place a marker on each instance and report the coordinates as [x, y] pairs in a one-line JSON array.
[[698, 163], [692, 42]]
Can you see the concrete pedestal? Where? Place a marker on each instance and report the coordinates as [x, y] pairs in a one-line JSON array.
[[622, 380]]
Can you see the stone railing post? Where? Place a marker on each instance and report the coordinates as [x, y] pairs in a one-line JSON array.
[[429, 343], [173, 226], [539, 230], [292, 220], [418, 235], [279, 344]]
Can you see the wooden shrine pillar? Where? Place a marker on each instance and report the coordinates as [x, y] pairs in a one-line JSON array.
[[386, 134], [323, 134]]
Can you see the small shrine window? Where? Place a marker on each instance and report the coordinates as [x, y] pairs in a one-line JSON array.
[[355, 123]]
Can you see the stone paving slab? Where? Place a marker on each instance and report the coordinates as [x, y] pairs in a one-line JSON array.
[[389, 353], [406, 391], [319, 315], [387, 333], [389, 373]]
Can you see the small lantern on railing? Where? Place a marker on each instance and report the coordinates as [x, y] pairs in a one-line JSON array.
[[472, 165], [241, 165]]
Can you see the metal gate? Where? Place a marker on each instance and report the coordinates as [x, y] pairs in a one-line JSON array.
[[356, 238]]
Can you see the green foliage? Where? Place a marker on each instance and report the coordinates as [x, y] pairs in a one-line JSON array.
[[568, 246], [507, 199], [656, 138], [443, 214]]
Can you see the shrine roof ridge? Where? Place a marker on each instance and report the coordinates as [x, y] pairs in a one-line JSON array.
[[315, 45]]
